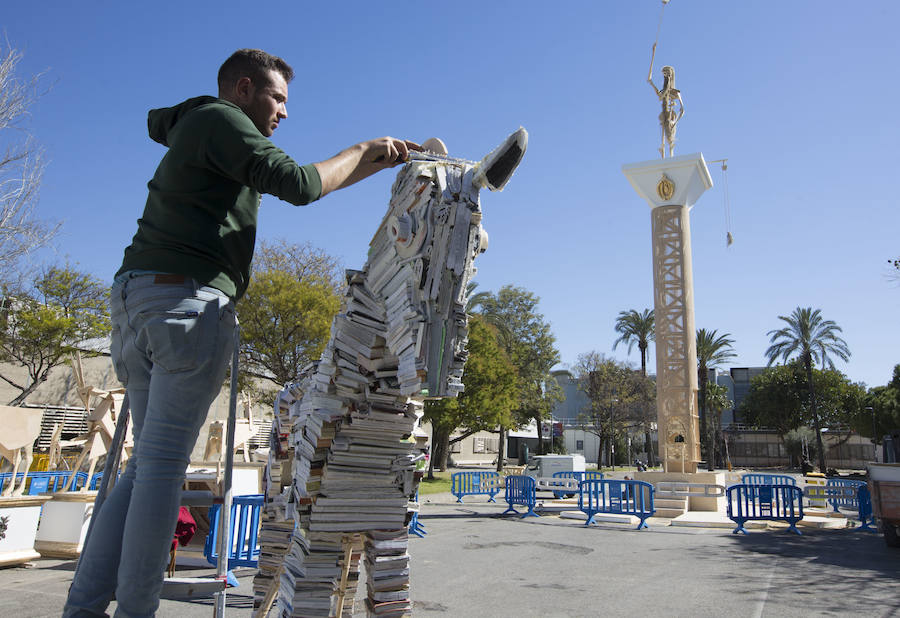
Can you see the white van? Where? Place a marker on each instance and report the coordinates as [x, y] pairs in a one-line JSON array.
[[543, 466]]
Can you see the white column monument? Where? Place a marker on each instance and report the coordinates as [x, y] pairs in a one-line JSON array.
[[671, 186]]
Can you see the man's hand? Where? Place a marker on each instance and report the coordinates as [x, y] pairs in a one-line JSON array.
[[388, 150], [362, 160]]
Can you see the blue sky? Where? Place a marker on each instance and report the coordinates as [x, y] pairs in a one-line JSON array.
[[800, 97]]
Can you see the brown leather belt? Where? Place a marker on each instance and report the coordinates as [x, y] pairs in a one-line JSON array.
[[169, 279]]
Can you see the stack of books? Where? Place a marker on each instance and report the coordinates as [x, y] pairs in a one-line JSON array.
[[399, 338], [387, 573], [276, 520]]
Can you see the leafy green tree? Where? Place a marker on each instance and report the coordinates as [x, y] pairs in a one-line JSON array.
[[880, 413], [779, 398], [636, 328], [717, 401], [840, 401], [303, 261], [42, 327], [798, 440], [286, 313], [530, 345], [489, 397], [285, 325], [712, 350], [812, 339], [617, 395]]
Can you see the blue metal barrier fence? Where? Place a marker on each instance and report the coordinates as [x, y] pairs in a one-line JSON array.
[[521, 490], [243, 533], [617, 497], [590, 474], [767, 479], [844, 501], [764, 502], [475, 483], [47, 482]]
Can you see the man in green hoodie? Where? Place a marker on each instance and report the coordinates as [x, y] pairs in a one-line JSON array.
[[172, 304]]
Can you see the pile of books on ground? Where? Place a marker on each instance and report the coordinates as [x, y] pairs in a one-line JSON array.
[[352, 472], [400, 337], [277, 521], [387, 573]]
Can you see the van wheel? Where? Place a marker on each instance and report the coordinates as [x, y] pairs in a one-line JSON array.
[[891, 538]]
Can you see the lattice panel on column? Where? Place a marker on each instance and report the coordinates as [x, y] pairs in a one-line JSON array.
[[675, 359]]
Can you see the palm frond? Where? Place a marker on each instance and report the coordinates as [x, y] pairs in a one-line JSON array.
[[635, 328], [807, 334], [713, 349]]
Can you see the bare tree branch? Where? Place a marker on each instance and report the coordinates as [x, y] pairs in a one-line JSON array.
[[22, 164]]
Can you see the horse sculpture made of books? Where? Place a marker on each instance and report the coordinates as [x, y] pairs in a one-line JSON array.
[[399, 339]]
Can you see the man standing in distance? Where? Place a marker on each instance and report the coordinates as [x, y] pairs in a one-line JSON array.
[[172, 304]]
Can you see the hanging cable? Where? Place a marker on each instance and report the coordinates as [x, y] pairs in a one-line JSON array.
[[656, 40], [659, 25], [729, 237]]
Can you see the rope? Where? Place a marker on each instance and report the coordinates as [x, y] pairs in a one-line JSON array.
[[729, 238], [659, 25]]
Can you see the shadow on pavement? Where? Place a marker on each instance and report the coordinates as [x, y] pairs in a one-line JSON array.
[[846, 571]]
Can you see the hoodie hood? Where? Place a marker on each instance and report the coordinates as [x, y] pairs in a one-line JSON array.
[[161, 121]]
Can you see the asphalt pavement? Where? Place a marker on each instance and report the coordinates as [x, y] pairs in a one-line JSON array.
[[475, 562]]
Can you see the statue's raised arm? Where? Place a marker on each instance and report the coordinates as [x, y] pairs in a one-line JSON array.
[[650, 72]]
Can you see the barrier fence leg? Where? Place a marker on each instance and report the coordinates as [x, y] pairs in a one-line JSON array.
[[740, 527]]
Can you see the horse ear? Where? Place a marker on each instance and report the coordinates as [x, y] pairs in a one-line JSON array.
[[495, 170], [435, 145]]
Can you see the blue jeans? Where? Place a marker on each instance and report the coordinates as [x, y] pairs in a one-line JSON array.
[[171, 342]]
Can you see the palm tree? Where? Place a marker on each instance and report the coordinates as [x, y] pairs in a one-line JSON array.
[[474, 301], [812, 339], [639, 328], [712, 350], [636, 328], [475, 305]]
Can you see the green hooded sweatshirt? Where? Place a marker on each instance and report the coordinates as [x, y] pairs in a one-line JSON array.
[[200, 216]]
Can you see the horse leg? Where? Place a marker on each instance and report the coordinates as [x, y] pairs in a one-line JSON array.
[[92, 463], [20, 489], [85, 449], [8, 487]]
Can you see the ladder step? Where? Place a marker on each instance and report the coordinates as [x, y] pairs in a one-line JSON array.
[[200, 497], [191, 587]]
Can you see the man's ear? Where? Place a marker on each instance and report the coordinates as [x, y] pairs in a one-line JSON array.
[[243, 89]]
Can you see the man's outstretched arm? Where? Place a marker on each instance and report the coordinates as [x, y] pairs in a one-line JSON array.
[[361, 161]]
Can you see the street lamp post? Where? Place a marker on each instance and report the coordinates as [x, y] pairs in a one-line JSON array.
[[874, 435], [612, 423]]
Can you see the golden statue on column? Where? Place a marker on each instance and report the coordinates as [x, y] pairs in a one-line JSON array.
[[672, 106]]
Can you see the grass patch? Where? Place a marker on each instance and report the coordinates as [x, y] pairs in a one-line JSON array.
[[439, 485]]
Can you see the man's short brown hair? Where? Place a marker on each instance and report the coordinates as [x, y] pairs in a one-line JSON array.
[[252, 63]]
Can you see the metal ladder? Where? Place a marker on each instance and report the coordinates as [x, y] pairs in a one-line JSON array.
[[188, 587]]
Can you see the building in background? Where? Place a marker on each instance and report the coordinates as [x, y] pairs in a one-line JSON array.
[[747, 447]]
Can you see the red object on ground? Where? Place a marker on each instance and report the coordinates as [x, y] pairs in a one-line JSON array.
[[184, 529]]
